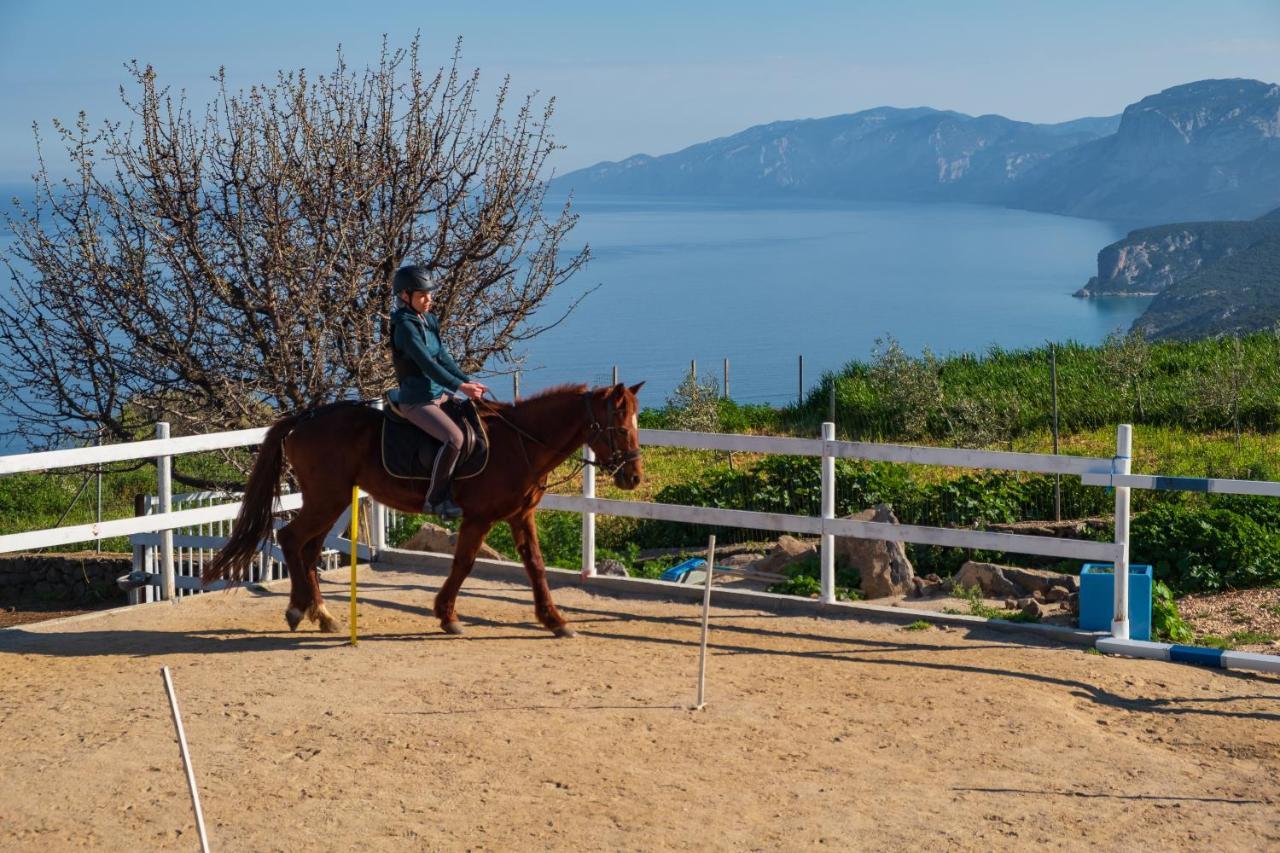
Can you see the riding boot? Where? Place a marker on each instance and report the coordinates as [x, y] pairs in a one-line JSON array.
[[439, 501]]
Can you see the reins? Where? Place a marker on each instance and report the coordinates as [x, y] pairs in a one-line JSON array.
[[617, 456]]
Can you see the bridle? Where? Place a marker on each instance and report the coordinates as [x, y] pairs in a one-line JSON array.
[[618, 456]]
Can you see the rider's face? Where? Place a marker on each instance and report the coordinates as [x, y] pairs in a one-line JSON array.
[[420, 301]]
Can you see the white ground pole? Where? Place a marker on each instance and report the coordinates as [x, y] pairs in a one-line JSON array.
[[828, 549], [588, 518], [164, 471], [1120, 577], [706, 613], [186, 758]]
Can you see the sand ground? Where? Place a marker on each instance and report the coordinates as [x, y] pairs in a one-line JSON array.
[[829, 733]]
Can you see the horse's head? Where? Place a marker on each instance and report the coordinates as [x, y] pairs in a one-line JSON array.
[[614, 435]]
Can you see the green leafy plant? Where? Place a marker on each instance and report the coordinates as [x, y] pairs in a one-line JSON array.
[[1166, 623]]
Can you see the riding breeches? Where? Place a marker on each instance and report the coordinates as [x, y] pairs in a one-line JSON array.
[[432, 420]]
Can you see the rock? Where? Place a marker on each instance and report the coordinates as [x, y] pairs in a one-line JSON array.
[[1039, 579], [738, 560], [989, 578], [1057, 593], [1073, 602], [1011, 604], [611, 568], [439, 540], [788, 550], [884, 566], [1038, 595], [1035, 609], [1012, 581], [1024, 603]]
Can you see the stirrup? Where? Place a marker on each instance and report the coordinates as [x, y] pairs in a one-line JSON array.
[[446, 509]]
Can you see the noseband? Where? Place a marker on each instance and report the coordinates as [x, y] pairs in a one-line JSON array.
[[618, 456]]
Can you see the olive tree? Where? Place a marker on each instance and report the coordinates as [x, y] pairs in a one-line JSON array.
[[214, 268]]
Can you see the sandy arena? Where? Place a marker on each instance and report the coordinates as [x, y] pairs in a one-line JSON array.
[[840, 733]]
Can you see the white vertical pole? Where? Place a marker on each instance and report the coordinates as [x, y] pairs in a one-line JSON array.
[[1121, 465], [164, 475], [588, 518], [706, 614], [828, 549], [377, 516]]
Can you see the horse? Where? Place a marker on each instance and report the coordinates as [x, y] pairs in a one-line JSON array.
[[335, 447]]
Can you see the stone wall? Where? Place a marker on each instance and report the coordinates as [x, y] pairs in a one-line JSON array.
[[79, 578]]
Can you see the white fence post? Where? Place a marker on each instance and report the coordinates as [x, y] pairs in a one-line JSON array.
[[164, 477], [377, 515], [588, 518], [828, 550], [1120, 573]]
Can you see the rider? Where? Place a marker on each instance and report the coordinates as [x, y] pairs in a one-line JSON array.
[[427, 376]]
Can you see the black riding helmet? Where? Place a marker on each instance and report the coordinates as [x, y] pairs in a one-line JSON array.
[[411, 279]]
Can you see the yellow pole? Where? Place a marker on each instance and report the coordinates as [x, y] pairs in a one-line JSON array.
[[355, 532]]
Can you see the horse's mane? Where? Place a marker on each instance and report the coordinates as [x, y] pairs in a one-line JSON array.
[[556, 391]]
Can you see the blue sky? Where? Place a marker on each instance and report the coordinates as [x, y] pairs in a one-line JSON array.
[[652, 77]]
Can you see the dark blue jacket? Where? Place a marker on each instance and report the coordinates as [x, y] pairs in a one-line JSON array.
[[423, 367]]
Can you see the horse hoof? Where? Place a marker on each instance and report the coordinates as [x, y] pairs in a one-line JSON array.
[[293, 617], [454, 628], [328, 626], [564, 632]]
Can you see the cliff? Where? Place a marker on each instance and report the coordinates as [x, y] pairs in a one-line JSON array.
[[1237, 295], [1147, 261]]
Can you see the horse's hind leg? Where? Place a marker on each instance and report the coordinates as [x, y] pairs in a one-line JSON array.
[[301, 541]]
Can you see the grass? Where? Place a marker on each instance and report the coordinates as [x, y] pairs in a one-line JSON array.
[[1235, 640], [918, 625]]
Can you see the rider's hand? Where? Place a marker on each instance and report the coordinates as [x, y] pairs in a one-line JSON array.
[[474, 390]]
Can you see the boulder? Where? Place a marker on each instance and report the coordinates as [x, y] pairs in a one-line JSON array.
[[1057, 593], [440, 540], [1035, 609], [988, 578], [996, 581], [611, 568], [884, 566], [788, 550]]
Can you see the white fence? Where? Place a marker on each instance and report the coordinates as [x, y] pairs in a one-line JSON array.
[[162, 523], [203, 527]]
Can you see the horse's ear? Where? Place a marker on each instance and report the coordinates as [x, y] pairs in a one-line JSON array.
[[635, 389]]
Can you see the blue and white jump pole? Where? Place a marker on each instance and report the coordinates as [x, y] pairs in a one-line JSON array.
[[1119, 643]]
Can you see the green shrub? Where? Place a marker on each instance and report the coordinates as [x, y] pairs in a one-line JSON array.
[[1205, 549]]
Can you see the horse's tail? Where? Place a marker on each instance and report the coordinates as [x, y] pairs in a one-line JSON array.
[[253, 524]]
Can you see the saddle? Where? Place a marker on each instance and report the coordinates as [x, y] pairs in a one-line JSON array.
[[409, 453]]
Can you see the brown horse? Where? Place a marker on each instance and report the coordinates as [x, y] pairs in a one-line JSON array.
[[336, 447]]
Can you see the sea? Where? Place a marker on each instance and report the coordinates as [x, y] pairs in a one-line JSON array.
[[784, 291], [788, 290]]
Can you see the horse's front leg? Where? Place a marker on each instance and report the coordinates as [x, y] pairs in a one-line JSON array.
[[470, 538], [525, 533]]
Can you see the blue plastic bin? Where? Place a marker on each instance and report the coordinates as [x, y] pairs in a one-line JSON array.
[[1097, 597]]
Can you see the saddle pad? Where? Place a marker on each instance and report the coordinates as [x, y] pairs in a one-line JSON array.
[[409, 453]]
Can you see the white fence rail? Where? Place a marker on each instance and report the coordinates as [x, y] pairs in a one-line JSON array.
[[203, 527]]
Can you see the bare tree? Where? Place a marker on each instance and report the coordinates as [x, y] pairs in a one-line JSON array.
[[216, 270]]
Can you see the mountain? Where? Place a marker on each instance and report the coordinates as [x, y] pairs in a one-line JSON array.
[[1237, 295], [1201, 151], [1205, 150], [1149, 260], [885, 153]]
